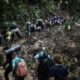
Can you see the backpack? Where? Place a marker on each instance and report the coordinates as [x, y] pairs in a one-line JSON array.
[[48, 62], [44, 64], [21, 70], [13, 48], [46, 59]]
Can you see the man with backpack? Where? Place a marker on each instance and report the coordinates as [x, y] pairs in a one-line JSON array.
[[8, 61], [43, 63], [15, 30], [19, 67], [8, 54], [40, 24], [28, 27]]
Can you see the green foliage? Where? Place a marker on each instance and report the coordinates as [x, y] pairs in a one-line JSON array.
[[21, 10]]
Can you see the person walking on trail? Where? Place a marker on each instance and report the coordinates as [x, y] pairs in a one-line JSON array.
[[15, 30], [58, 71], [19, 67], [29, 27], [43, 62], [7, 69], [9, 37], [40, 24], [7, 65]]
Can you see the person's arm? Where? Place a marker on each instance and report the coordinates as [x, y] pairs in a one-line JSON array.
[[36, 65], [13, 64]]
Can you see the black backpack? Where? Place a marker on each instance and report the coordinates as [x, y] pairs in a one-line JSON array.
[[45, 64]]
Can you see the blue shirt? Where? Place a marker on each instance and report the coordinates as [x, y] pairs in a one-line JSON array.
[[59, 72]]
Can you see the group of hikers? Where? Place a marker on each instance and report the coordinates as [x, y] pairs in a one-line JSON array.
[[41, 24], [47, 66], [50, 67], [8, 34], [14, 63]]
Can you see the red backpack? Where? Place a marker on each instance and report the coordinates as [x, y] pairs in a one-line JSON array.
[[21, 69]]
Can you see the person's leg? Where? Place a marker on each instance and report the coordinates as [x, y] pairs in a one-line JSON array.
[[22, 78], [40, 77], [12, 39], [43, 78], [19, 78], [6, 73]]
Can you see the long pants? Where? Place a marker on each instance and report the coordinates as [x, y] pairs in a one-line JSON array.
[[7, 71], [19, 78], [43, 77]]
